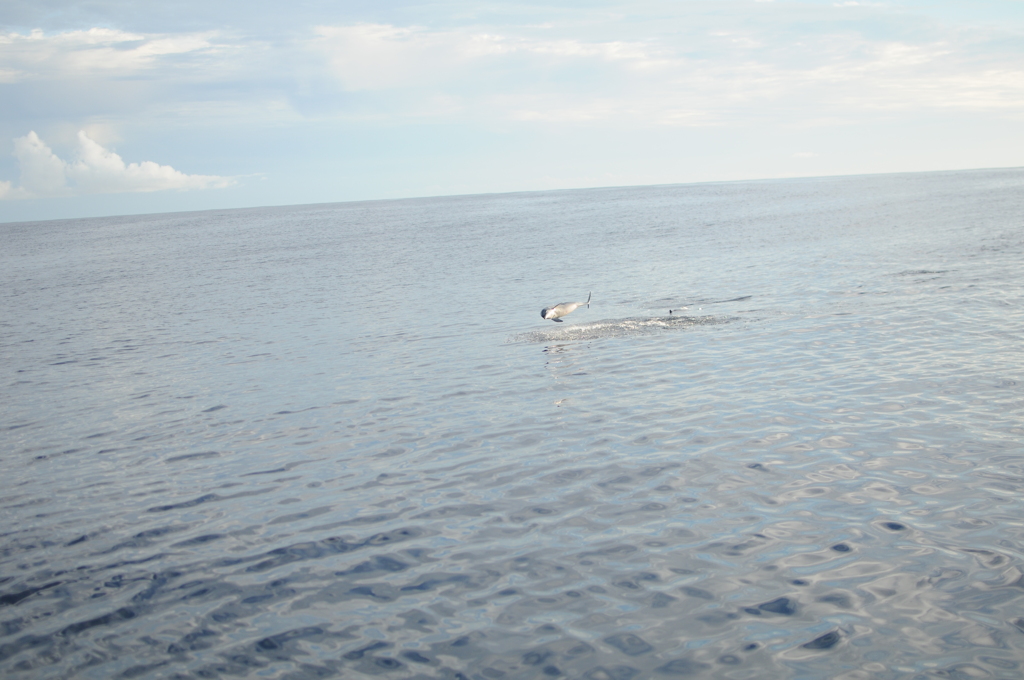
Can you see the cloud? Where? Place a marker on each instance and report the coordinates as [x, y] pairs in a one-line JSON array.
[[679, 69], [42, 172], [7, 191], [95, 51], [382, 56], [107, 75], [702, 76], [95, 170]]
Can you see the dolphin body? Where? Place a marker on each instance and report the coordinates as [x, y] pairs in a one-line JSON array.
[[562, 308]]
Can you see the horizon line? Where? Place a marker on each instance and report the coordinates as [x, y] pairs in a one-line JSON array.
[[511, 193]]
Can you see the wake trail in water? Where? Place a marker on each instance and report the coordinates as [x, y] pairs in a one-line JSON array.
[[620, 328]]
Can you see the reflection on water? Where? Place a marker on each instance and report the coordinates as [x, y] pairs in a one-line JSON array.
[[222, 458]]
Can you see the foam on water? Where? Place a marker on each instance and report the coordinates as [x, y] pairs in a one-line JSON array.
[[619, 328]]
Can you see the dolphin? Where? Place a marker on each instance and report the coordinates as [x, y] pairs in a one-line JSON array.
[[562, 308]]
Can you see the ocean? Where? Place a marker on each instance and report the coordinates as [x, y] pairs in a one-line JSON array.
[[785, 440]]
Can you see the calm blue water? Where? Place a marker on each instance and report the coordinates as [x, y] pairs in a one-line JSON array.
[[339, 440]]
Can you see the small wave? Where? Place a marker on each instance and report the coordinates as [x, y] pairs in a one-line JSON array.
[[681, 304], [619, 328], [922, 272]]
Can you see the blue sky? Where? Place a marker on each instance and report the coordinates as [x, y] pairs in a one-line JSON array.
[[119, 107]]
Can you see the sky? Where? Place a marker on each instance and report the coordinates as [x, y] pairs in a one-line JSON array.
[[124, 107]]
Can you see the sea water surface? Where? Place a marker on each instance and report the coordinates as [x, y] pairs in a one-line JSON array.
[[339, 440]]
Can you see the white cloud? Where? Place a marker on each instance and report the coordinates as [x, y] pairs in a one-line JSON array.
[[42, 172], [672, 72], [381, 56], [93, 51], [8, 191], [95, 170], [376, 56], [704, 77]]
